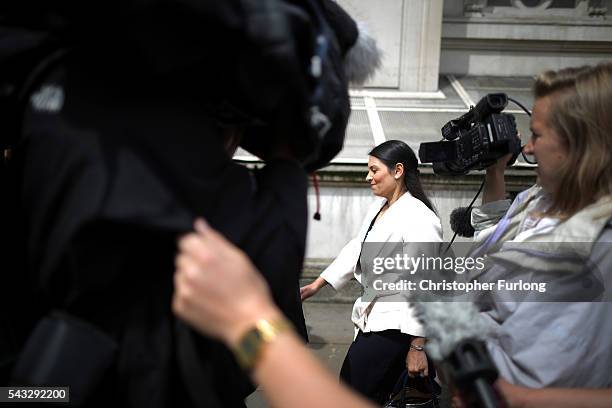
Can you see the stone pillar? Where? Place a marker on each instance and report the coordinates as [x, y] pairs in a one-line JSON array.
[[420, 45]]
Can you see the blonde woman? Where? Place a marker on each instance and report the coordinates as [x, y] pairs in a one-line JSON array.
[[562, 344]]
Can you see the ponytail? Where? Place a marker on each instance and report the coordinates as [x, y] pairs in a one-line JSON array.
[[415, 188]]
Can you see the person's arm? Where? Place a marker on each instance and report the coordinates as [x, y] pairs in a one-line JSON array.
[[416, 359], [291, 377], [312, 288], [221, 294], [338, 273], [523, 397], [495, 184], [484, 218]]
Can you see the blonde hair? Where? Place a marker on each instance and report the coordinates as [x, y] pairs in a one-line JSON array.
[[581, 115]]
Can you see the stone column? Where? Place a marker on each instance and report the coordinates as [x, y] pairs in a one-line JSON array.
[[420, 45]]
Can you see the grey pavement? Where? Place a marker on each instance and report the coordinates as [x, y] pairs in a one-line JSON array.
[[330, 331]]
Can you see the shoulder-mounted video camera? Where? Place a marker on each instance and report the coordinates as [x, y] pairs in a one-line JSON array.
[[476, 140]]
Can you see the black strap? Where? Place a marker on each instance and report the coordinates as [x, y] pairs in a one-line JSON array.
[[434, 395], [195, 371], [372, 223], [366, 235], [404, 381]]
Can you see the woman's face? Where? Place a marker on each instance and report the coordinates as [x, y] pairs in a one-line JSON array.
[[548, 148], [382, 182]]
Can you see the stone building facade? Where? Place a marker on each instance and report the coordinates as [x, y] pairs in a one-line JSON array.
[[440, 58]]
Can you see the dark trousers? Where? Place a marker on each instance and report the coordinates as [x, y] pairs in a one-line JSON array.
[[374, 362]]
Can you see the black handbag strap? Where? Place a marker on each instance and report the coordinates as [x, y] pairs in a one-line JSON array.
[[434, 395], [402, 382]]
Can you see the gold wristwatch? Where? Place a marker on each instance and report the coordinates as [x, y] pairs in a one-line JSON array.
[[249, 348]]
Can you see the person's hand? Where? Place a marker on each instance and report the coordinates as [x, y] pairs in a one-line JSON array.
[[495, 185], [500, 165], [457, 401], [217, 288], [416, 364], [312, 289], [308, 291], [514, 395]]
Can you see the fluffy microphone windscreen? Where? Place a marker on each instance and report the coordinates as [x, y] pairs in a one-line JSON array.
[[363, 59], [461, 222], [361, 55], [447, 324]]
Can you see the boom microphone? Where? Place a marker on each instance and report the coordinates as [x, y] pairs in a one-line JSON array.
[[455, 336]]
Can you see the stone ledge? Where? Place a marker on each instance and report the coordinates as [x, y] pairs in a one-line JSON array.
[[518, 178], [530, 46], [536, 29]]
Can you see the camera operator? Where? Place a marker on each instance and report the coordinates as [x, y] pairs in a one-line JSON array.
[[556, 343]]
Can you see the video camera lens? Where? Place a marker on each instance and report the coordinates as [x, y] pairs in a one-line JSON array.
[[497, 101]]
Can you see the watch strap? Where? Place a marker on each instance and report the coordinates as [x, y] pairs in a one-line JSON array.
[[250, 346]]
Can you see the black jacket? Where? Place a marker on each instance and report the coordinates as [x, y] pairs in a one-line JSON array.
[[110, 181], [121, 150]]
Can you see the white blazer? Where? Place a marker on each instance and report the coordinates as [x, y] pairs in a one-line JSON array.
[[406, 220]]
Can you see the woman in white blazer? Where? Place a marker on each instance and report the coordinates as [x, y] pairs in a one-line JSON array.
[[389, 337]]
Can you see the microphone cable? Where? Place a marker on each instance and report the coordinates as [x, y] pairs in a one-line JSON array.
[[466, 210]]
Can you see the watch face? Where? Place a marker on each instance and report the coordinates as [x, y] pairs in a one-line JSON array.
[[248, 348], [252, 343]]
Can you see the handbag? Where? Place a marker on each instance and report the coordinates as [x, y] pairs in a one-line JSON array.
[[421, 393]]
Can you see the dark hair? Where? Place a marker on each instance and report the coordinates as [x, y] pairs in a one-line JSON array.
[[393, 152]]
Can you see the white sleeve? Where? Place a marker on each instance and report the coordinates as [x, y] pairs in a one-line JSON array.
[[340, 272]]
